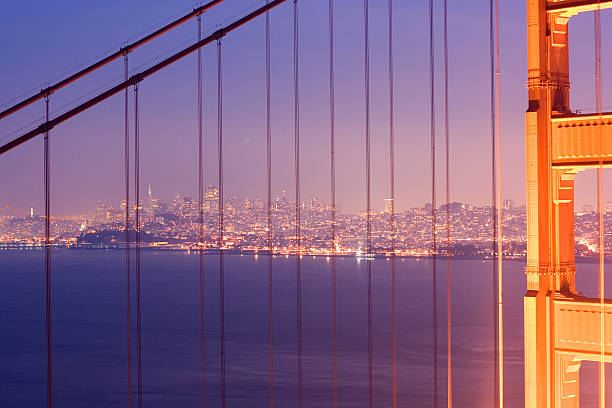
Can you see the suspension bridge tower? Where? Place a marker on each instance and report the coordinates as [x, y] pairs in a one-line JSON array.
[[562, 328]]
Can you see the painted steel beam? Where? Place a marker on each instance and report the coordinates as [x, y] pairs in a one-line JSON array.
[[568, 8]]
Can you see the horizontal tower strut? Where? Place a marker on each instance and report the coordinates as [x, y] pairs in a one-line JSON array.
[[134, 79], [570, 8], [581, 141], [123, 50]]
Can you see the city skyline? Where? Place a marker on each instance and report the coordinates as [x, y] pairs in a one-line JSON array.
[[381, 206], [172, 225]]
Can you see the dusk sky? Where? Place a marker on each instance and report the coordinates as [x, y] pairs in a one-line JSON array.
[[45, 41]]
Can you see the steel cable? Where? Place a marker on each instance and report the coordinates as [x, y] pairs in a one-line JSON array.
[[492, 54], [127, 233], [332, 116], [221, 213], [296, 107], [449, 383], [499, 236], [269, 214], [49, 338], [201, 219], [368, 190], [137, 244], [392, 209], [600, 209], [433, 204]]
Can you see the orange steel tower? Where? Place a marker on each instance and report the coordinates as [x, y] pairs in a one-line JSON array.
[[562, 328]]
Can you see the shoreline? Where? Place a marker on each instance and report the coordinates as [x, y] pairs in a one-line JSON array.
[[263, 252]]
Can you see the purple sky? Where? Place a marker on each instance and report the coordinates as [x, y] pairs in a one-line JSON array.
[[43, 41]]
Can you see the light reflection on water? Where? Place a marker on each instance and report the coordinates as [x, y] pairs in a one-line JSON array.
[[89, 337]]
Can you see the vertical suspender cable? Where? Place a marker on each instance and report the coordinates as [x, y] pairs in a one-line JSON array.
[[449, 382], [221, 211], [128, 316], [432, 115], [138, 224], [392, 215], [49, 338], [368, 198], [500, 315], [332, 119], [201, 217], [600, 201], [296, 113], [269, 214], [493, 196]]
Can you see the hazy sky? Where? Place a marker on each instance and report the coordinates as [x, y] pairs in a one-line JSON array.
[[44, 41]]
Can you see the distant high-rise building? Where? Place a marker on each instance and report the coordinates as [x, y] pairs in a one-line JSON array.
[[177, 203], [388, 205], [101, 214], [211, 198], [315, 204], [148, 205], [508, 204]]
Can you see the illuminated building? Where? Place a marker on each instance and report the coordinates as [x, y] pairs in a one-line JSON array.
[[388, 205]]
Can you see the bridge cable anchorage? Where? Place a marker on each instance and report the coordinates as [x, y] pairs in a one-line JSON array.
[[138, 77], [138, 244], [600, 209], [432, 114], [221, 213], [296, 130], [269, 214], [106, 60], [49, 337], [392, 209], [499, 237], [333, 201], [368, 185], [127, 234], [449, 382], [201, 217], [494, 291]]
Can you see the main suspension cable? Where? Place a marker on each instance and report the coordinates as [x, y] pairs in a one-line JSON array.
[[127, 234], [296, 113], [138, 224], [139, 77], [49, 338], [392, 209], [221, 213], [269, 214], [201, 217], [432, 114], [104, 61], [332, 132]]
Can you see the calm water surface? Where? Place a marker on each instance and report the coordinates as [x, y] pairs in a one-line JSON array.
[[89, 339]]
